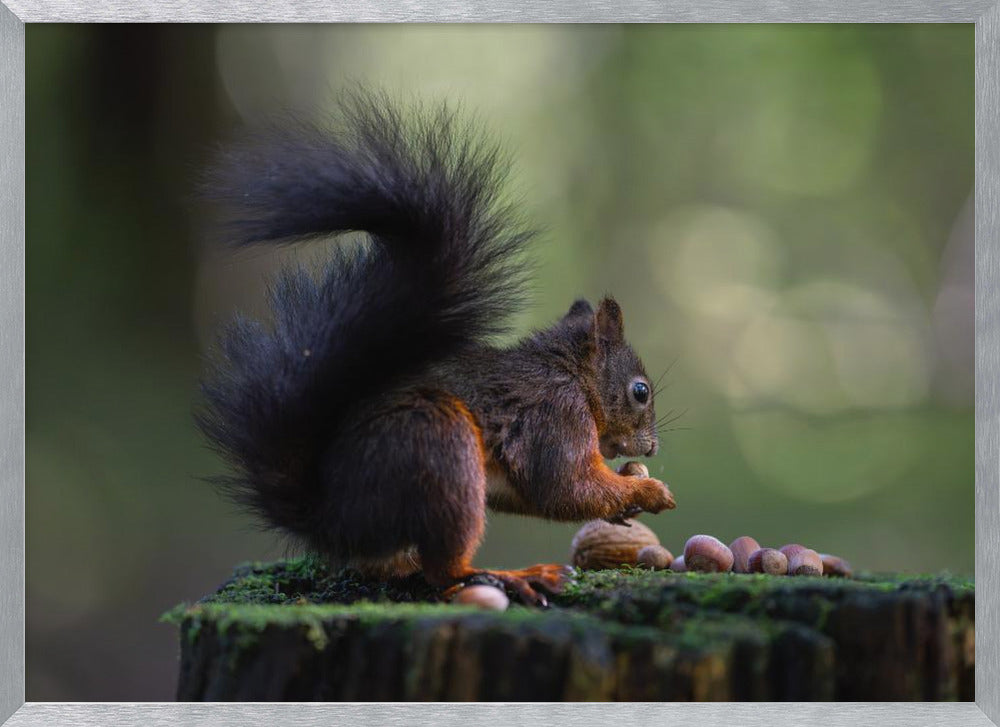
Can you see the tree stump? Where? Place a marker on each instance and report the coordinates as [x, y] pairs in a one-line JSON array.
[[292, 631]]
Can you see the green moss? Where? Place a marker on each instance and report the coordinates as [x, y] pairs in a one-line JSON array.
[[707, 630], [664, 598], [730, 591], [175, 616], [241, 625], [307, 580], [692, 609], [257, 617]]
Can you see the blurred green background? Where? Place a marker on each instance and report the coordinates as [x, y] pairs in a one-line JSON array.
[[785, 211]]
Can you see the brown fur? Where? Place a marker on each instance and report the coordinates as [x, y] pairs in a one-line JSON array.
[[413, 469]]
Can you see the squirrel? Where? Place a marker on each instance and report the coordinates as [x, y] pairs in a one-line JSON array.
[[373, 419]]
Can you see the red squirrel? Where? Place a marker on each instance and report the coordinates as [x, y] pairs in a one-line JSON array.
[[373, 419]]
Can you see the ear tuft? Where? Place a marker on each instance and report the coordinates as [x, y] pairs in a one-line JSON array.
[[610, 326]]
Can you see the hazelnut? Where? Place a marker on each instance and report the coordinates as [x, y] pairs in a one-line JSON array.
[[705, 554], [791, 549], [767, 560], [834, 566], [600, 544], [485, 597], [678, 565], [741, 548], [655, 557], [634, 469], [805, 562]]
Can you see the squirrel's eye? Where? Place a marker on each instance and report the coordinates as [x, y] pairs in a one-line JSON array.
[[640, 392]]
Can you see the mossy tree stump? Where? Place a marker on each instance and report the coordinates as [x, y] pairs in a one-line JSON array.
[[291, 631]]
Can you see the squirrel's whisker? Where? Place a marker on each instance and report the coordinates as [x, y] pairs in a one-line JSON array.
[[664, 420], [674, 429], [666, 371]]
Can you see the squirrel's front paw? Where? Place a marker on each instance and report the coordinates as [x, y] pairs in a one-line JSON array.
[[654, 496]]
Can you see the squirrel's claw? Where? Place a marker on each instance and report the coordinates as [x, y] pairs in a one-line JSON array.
[[624, 516], [529, 585], [524, 592]]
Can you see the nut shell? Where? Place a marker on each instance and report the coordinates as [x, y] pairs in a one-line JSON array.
[[634, 469], [791, 549], [834, 566], [600, 544], [485, 597], [741, 548], [805, 562], [705, 554], [655, 557], [768, 560]]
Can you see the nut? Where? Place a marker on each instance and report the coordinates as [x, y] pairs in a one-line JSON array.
[[805, 562], [655, 557], [634, 469], [600, 544], [834, 566], [705, 554], [678, 565], [767, 560], [791, 549], [741, 548], [485, 597]]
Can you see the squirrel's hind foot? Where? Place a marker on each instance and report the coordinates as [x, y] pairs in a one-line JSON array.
[[529, 585]]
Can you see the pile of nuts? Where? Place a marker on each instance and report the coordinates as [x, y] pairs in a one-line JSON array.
[[600, 544]]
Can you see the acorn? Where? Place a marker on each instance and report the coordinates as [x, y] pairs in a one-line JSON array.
[[485, 597], [767, 560], [834, 566], [600, 544], [678, 565], [741, 548], [805, 562], [705, 554], [655, 557]]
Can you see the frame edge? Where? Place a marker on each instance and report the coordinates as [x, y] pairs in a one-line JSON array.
[[12, 500], [591, 11], [987, 282]]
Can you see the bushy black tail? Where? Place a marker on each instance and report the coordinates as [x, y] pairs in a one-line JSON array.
[[444, 271]]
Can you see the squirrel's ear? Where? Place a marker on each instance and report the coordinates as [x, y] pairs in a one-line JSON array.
[[580, 309], [610, 326], [579, 326]]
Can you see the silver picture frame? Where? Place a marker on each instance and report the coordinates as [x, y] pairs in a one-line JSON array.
[[985, 14]]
